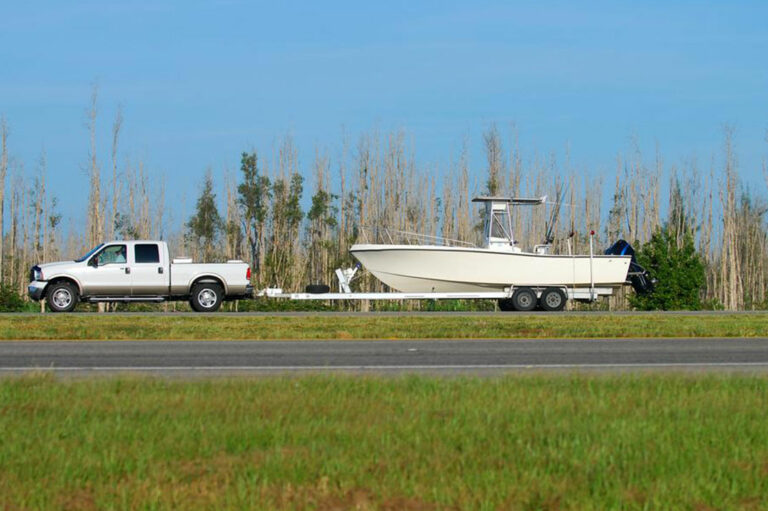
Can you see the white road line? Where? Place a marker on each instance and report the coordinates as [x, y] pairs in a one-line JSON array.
[[390, 367]]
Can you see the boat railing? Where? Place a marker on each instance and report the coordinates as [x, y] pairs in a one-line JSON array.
[[369, 234]]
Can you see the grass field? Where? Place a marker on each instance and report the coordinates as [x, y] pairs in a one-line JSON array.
[[336, 442], [214, 327]]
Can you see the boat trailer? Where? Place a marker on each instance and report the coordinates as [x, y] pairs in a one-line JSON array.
[[637, 276], [346, 275]]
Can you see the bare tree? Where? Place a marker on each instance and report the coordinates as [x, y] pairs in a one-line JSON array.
[[495, 155], [38, 201], [95, 220], [116, 188], [381, 183], [449, 208], [464, 228], [3, 172], [730, 267]]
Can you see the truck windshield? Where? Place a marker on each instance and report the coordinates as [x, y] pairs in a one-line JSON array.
[[90, 253]]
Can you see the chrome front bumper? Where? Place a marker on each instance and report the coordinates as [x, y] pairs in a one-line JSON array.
[[36, 289]]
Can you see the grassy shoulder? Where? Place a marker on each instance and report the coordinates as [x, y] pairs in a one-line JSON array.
[[229, 327], [336, 442]]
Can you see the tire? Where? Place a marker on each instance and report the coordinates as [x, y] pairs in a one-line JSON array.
[[552, 299], [62, 297], [505, 304], [206, 297], [524, 299], [318, 289]]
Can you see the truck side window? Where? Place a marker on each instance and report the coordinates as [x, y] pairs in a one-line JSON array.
[[146, 253], [113, 254]]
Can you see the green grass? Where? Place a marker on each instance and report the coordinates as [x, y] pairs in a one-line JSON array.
[[337, 442], [213, 327]]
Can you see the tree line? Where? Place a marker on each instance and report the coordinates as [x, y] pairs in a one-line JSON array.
[[294, 223]]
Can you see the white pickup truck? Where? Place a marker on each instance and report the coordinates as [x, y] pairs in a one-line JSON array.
[[138, 271]]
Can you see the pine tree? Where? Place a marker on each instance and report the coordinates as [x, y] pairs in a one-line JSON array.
[[254, 192], [322, 222], [286, 218], [204, 228], [671, 258]]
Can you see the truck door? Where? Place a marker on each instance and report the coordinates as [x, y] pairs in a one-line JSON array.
[[107, 273], [148, 271]]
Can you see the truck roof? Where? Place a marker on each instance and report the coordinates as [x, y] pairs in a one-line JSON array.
[[132, 241]]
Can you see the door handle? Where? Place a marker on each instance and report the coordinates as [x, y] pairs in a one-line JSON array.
[[127, 270], [160, 270]]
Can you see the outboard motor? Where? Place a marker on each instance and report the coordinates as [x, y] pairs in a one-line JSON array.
[[638, 276]]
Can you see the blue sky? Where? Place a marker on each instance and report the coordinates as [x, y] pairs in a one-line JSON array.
[[199, 82]]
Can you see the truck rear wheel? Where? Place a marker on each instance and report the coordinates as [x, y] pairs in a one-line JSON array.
[[206, 297], [61, 297]]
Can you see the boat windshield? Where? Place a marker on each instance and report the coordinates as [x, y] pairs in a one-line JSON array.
[[90, 253], [498, 227]]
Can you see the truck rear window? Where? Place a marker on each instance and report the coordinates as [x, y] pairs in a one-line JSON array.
[[147, 253]]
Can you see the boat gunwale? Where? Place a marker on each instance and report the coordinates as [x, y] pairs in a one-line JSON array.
[[437, 248], [576, 285]]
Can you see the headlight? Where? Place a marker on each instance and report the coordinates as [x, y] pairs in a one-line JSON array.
[[36, 273]]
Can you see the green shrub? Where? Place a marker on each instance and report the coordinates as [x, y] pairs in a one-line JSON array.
[[678, 269], [11, 301]]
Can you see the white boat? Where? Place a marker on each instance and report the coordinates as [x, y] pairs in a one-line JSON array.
[[496, 266]]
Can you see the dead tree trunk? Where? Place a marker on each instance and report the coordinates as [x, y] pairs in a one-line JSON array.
[[116, 192], [95, 219], [3, 172]]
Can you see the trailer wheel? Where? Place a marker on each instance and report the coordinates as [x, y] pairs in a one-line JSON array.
[[206, 297], [552, 299], [506, 305], [61, 297], [524, 299]]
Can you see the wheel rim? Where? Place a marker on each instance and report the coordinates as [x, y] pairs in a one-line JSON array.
[[62, 298], [524, 300], [207, 298], [553, 300]]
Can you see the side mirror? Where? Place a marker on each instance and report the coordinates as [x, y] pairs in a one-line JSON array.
[[94, 262]]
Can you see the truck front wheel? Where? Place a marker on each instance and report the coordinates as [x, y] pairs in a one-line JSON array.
[[206, 297], [61, 297]]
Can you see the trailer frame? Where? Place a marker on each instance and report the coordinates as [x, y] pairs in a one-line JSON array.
[[346, 275], [571, 294]]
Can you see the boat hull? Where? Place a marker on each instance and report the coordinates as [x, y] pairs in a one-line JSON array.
[[423, 269]]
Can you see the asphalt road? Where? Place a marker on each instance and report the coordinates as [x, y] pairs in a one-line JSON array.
[[462, 356]]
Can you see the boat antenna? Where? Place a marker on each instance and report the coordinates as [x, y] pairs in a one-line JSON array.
[[554, 214]]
